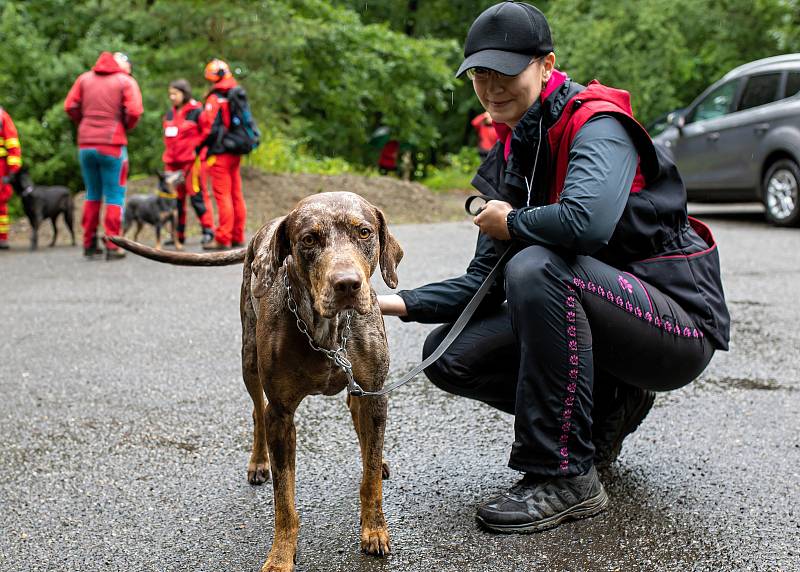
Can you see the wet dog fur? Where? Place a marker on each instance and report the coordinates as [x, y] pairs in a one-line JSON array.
[[326, 248]]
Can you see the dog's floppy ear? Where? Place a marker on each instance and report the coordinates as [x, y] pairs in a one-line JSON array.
[[391, 254], [268, 255]]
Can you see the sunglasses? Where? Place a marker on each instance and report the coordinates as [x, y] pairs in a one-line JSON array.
[[483, 74]]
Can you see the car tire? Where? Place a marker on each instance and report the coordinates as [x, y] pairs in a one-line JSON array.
[[781, 193]]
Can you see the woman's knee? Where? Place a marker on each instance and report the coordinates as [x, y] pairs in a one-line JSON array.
[[447, 372], [530, 271]]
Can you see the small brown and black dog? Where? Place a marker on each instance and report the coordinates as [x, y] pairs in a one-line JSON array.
[[158, 209], [321, 255]]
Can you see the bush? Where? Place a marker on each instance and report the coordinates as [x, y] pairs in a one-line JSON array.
[[278, 153], [457, 172]]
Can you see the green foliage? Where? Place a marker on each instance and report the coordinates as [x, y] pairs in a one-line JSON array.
[[456, 171], [322, 75], [664, 52], [280, 154], [313, 71]]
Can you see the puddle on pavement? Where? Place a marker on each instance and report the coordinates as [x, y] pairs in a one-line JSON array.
[[747, 384]]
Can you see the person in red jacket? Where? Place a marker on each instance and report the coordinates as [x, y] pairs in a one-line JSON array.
[[387, 162], [223, 168], [181, 137], [105, 103], [487, 136], [10, 163]]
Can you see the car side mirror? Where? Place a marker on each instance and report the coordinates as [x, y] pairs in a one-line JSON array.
[[677, 120]]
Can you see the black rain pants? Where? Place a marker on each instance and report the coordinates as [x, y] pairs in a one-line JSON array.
[[568, 323]]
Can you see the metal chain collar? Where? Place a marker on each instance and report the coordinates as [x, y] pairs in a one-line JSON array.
[[337, 356]]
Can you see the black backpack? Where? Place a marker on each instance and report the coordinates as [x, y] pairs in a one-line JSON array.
[[243, 135]]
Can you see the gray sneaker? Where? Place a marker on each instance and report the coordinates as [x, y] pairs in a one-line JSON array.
[[535, 504]]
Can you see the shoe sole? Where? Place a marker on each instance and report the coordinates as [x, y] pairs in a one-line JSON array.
[[589, 507], [636, 419]]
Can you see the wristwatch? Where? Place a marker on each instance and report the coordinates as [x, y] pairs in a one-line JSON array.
[[512, 214]]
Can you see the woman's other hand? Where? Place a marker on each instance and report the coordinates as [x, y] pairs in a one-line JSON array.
[[392, 305], [492, 220]]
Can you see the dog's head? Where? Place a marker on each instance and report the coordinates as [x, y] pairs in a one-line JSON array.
[[168, 182], [21, 182], [336, 241]]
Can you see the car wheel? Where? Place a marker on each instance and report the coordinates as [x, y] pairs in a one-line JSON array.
[[781, 192]]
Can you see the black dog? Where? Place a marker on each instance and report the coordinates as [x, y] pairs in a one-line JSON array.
[[41, 203], [155, 210]]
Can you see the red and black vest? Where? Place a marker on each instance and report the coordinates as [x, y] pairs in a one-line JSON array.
[[654, 239], [181, 133]]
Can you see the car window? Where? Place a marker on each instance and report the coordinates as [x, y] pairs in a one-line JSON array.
[[760, 90], [792, 84], [715, 104]]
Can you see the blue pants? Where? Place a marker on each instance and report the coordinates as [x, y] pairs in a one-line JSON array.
[[105, 177]]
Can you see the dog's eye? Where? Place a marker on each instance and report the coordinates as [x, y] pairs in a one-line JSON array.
[[308, 240], [364, 232]]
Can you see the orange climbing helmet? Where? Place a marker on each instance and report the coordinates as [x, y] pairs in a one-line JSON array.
[[217, 70]]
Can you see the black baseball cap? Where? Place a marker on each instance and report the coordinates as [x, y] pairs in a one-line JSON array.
[[505, 38]]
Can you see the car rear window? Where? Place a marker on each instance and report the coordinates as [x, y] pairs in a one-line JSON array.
[[792, 84], [760, 90]]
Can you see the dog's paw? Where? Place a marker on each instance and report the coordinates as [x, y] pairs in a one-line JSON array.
[[375, 541], [258, 474], [273, 567], [385, 470]]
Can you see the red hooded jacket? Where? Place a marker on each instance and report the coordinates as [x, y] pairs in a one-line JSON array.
[[181, 132], [105, 103]]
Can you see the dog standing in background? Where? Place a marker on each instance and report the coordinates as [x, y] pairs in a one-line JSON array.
[[41, 203], [156, 210]]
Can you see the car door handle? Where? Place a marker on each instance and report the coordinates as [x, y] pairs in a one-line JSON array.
[[712, 136], [761, 127]]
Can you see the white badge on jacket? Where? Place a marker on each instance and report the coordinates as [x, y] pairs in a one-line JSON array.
[[171, 131]]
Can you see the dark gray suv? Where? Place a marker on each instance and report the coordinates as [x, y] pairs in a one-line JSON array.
[[740, 139]]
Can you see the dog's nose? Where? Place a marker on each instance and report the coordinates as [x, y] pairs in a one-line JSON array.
[[346, 283]]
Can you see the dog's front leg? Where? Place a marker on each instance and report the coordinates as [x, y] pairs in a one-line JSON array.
[[36, 220], [369, 419], [174, 232], [281, 439]]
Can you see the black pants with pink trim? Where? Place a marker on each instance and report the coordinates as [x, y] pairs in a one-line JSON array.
[[570, 329]]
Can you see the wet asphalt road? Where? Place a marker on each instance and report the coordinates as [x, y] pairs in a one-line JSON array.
[[126, 431]]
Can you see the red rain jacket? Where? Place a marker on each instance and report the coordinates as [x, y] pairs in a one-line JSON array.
[[105, 103], [487, 136], [181, 132], [10, 152]]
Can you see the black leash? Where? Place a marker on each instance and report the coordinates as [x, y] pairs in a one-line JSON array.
[[356, 390]]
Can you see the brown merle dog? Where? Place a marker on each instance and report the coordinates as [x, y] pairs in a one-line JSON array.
[[322, 255]]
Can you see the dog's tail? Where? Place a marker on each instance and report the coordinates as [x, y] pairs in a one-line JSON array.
[[181, 258]]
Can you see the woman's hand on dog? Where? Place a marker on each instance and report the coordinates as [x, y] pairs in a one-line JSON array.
[[392, 305]]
